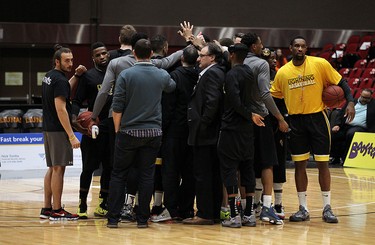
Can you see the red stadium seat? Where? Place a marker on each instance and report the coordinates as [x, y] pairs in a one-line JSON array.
[[351, 48], [353, 91], [340, 46], [326, 55], [357, 94], [371, 64], [354, 39], [363, 53], [344, 72], [366, 83], [366, 38], [354, 82], [356, 73], [369, 73], [362, 63], [328, 47]]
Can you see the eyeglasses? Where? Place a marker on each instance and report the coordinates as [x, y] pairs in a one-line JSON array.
[[366, 98], [202, 55]]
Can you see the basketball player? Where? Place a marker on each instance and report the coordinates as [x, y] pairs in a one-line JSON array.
[[94, 151], [301, 83]]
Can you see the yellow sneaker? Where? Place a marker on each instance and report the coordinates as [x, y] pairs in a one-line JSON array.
[[100, 212]]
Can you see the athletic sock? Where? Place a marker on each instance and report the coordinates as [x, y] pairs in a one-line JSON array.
[[233, 206], [158, 197], [302, 198], [326, 195], [267, 201], [249, 205], [243, 203], [278, 191], [258, 190]]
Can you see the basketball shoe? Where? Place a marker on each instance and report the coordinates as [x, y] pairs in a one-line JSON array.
[[301, 215], [328, 215], [249, 221], [164, 216], [82, 210], [61, 214], [233, 222], [45, 213], [279, 211], [257, 208], [268, 215], [100, 211], [127, 214], [224, 213]]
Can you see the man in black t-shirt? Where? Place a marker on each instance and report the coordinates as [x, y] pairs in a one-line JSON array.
[[59, 139]]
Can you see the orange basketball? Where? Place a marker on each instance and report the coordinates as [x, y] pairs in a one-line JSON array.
[[333, 96], [84, 119]]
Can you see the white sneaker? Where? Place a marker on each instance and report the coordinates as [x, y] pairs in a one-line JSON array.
[[164, 216]]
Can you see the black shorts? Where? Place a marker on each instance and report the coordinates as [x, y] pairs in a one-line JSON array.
[[265, 155], [235, 151], [310, 132]]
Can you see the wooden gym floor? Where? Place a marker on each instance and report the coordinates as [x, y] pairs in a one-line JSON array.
[[353, 201]]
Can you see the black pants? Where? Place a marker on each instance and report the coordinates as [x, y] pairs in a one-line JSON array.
[[208, 185], [141, 154], [177, 176], [95, 152]]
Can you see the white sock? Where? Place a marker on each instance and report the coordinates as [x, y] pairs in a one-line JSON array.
[[267, 201], [258, 190], [302, 198], [326, 198], [158, 197], [129, 199], [278, 191], [243, 204]]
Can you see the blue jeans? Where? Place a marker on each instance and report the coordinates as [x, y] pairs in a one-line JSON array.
[[139, 153]]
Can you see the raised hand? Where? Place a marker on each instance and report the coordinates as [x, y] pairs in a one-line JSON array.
[[186, 30]]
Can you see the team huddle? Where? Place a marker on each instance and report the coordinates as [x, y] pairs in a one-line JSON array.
[[204, 131]]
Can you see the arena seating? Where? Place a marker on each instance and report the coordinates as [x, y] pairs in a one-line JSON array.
[[354, 60]]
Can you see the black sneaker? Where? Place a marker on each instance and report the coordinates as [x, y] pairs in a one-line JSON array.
[[112, 224], [45, 213], [142, 225]]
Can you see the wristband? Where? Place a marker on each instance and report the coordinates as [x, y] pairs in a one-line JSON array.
[[72, 137], [77, 76]]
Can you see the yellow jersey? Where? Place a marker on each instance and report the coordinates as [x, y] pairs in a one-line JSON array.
[[302, 86]]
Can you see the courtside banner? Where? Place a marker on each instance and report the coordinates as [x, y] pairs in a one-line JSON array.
[[26, 151], [361, 153]]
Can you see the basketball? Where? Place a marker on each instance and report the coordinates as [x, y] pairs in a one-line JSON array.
[[84, 119], [333, 96]]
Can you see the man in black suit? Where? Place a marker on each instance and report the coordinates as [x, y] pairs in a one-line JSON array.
[[364, 121], [204, 112]]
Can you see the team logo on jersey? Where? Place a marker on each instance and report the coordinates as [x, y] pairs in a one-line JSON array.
[[301, 81], [47, 80], [99, 86]]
